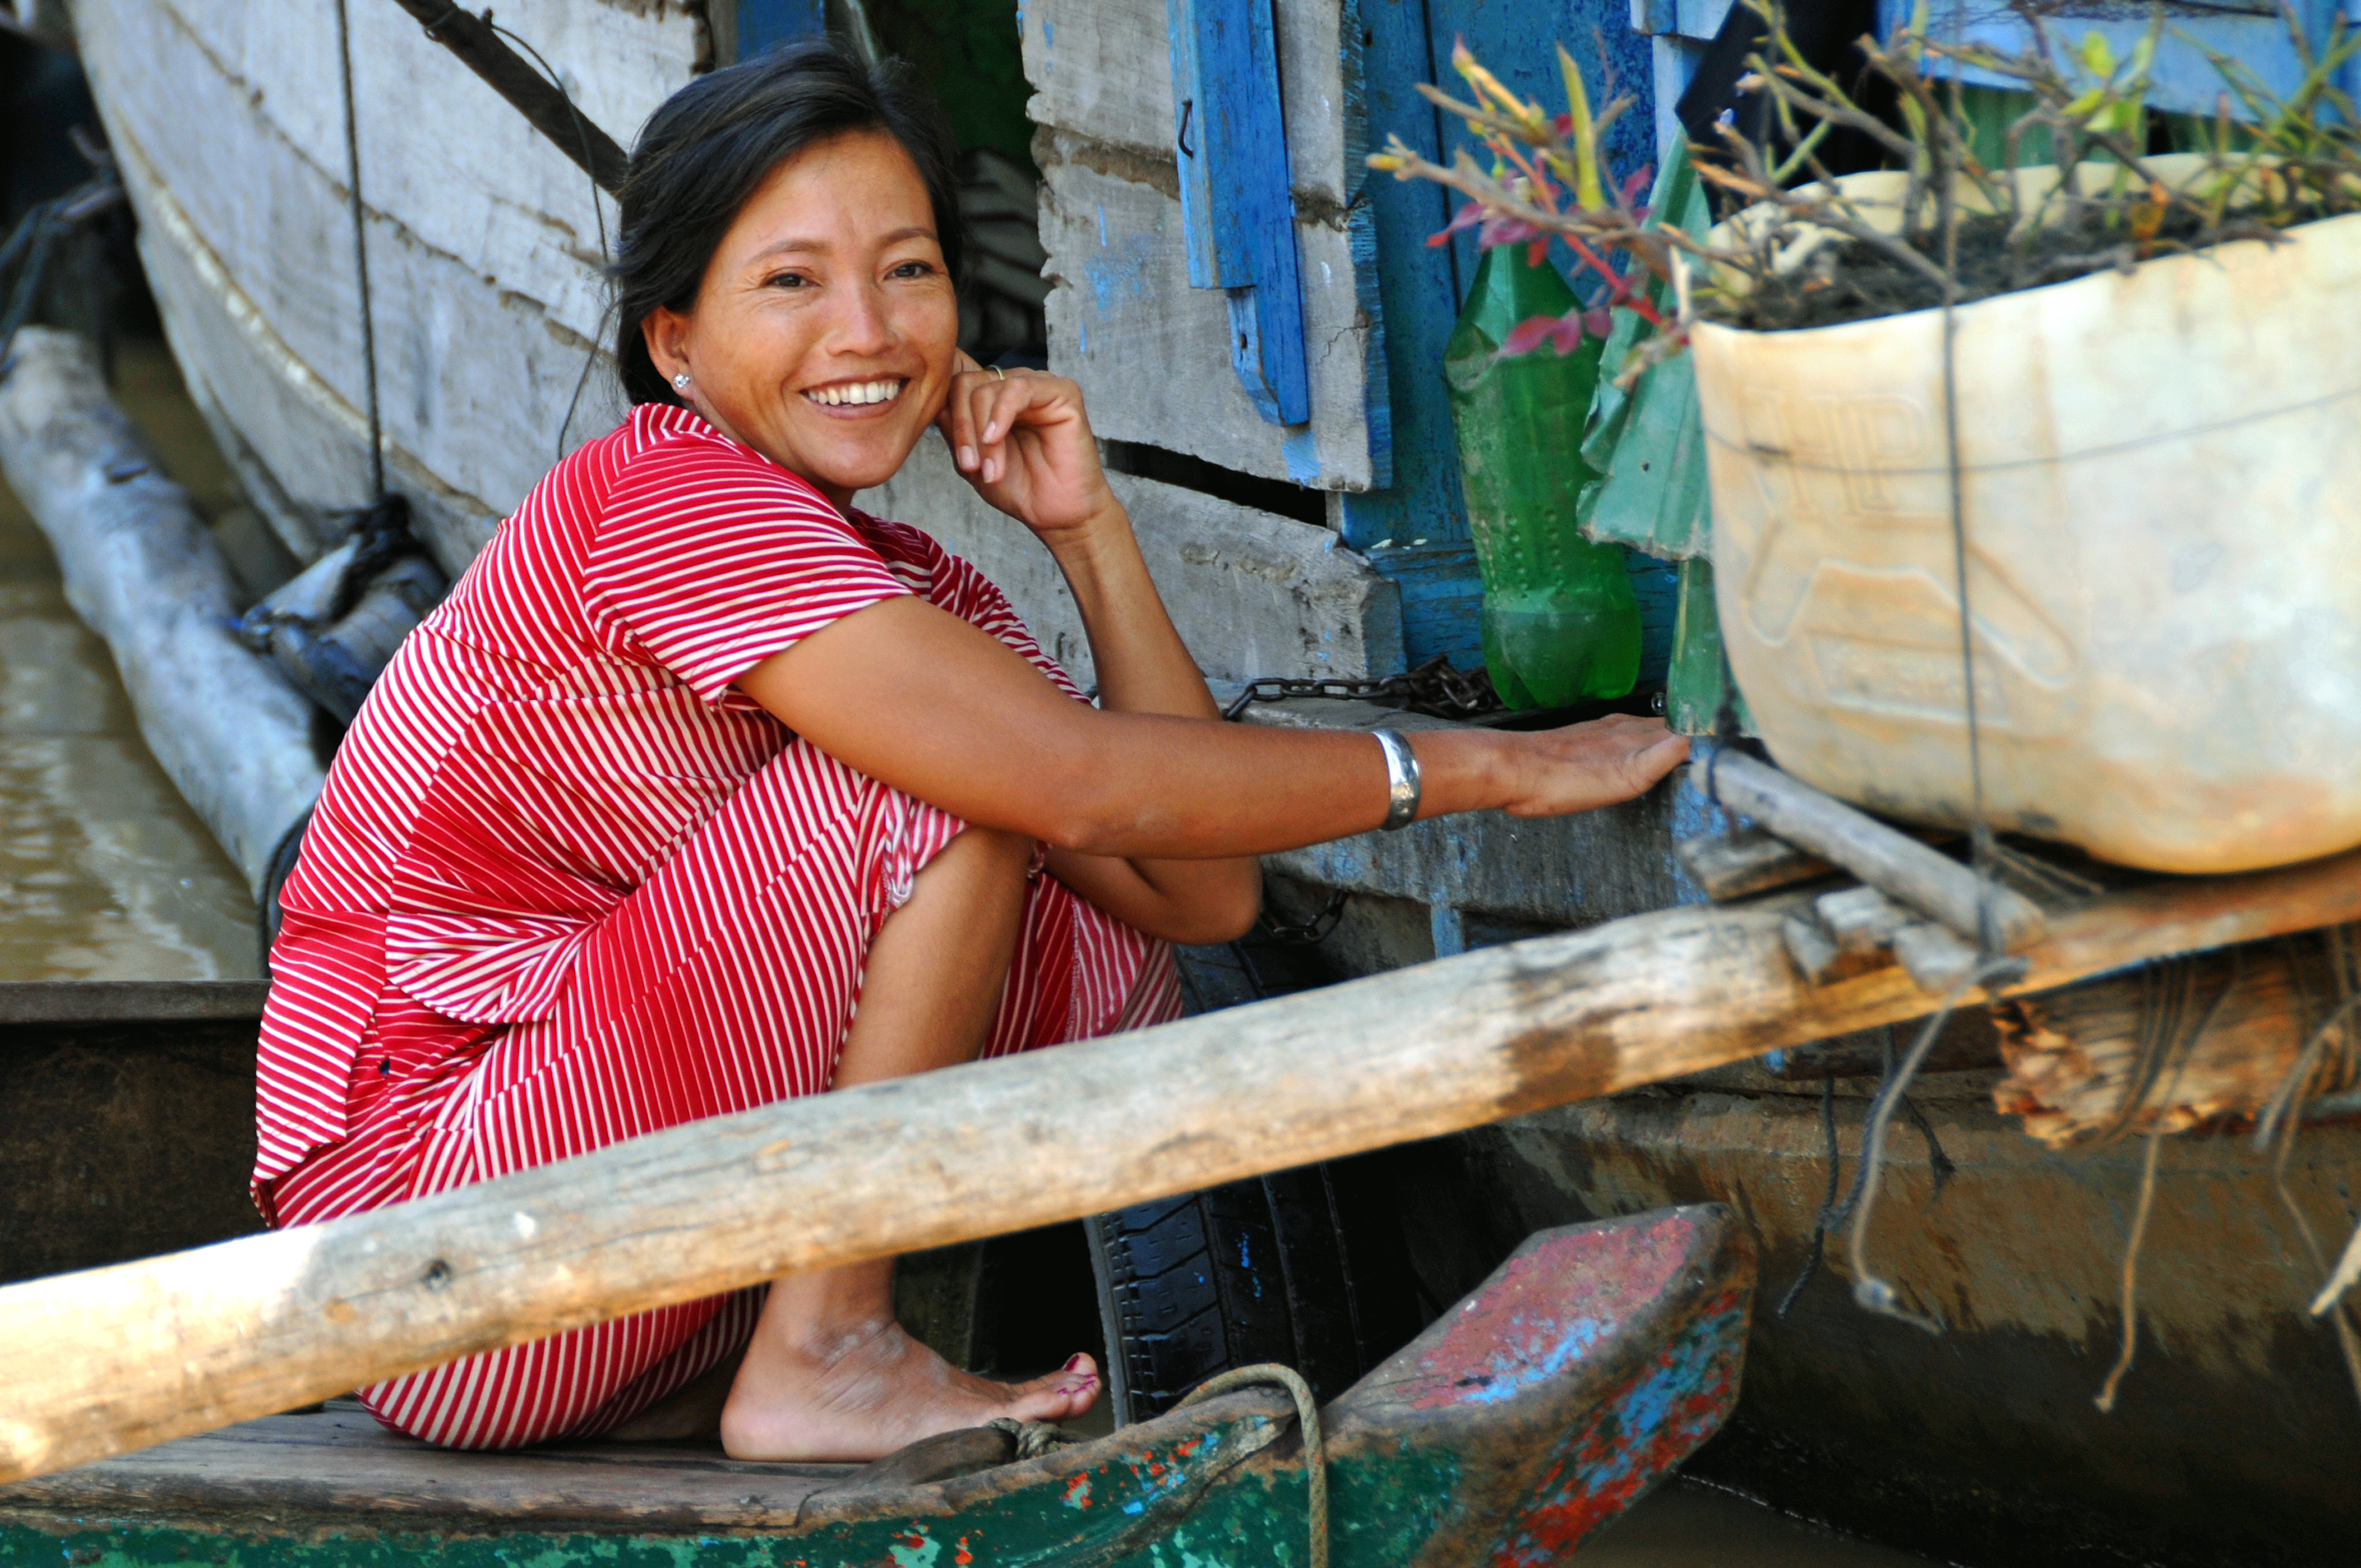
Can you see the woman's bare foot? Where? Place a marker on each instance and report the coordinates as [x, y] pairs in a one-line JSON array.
[[875, 1390], [830, 1374]]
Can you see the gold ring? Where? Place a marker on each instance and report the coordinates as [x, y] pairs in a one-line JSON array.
[[997, 371]]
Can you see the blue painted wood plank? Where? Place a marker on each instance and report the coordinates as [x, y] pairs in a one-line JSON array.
[[2183, 79], [1237, 204], [1442, 596], [1517, 40], [1418, 296], [1420, 287], [766, 24]]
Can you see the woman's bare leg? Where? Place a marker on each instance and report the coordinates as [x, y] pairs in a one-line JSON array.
[[831, 1373]]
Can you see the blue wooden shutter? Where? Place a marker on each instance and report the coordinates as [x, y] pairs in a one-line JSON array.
[[1237, 204]]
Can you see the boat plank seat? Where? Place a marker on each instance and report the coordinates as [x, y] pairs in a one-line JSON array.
[[338, 1460]]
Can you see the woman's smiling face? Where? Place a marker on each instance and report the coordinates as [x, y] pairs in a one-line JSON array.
[[825, 333]]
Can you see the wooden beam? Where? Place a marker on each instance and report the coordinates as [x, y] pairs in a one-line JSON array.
[[115, 1359], [1885, 858], [542, 102]]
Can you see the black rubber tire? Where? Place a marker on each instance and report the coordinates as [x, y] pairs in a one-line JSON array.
[[1304, 1267]]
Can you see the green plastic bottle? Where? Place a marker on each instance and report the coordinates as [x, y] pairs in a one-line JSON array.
[[1560, 622]]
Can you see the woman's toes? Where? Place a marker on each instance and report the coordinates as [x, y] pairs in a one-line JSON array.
[[1062, 1395]]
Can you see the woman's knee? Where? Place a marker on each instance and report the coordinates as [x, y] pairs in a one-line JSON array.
[[984, 855]]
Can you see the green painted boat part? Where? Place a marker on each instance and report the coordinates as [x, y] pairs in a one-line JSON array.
[[1559, 619], [1579, 1374]]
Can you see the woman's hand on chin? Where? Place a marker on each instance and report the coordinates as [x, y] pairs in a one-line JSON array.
[[1023, 442]]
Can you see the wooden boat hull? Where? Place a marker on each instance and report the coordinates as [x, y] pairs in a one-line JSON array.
[[2233, 1436], [1593, 1360], [126, 1120]]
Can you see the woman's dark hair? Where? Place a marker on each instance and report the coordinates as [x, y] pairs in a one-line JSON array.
[[703, 154]]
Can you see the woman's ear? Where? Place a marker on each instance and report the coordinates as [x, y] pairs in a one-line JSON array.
[[666, 332]]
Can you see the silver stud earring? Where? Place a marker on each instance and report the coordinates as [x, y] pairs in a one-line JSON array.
[[680, 382]]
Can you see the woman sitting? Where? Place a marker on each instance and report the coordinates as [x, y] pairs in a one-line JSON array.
[[704, 789]]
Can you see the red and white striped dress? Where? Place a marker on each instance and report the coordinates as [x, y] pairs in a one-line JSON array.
[[568, 885]]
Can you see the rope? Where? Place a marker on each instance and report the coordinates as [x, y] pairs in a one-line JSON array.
[[605, 256], [360, 252], [1033, 1439], [1307, 1417]]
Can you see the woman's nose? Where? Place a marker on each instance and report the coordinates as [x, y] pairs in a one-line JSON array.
[[862, 323]]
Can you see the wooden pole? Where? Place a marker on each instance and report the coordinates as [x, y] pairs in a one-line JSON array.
[[119, 1358], [142, 571], [1888, 860], [528, 92]]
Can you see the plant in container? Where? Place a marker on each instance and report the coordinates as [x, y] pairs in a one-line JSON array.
[[2033, 492]]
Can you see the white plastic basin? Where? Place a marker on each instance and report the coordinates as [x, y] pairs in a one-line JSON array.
[[2162, 483]]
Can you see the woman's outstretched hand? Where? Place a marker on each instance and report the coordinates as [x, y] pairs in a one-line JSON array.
[[1023, 442], [1583, 766]]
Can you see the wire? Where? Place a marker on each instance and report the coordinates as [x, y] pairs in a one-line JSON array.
[[605, 253], [360, 252]]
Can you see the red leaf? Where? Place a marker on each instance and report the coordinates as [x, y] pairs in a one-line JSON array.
[[1537, 252], [1468, 218], [1531, 334]]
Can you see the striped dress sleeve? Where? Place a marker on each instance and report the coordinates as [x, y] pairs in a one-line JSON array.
[[709, 559]]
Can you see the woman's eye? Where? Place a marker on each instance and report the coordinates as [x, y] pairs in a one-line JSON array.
[[787, 281], [913, 269]]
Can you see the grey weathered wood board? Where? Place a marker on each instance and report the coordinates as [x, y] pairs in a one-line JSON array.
[[1153, 353], [1252, 593], [484, 245], [338, 1461], [1103, 69], [1556, 870]]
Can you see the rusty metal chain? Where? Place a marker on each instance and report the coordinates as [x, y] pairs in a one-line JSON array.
[[1434, 688]]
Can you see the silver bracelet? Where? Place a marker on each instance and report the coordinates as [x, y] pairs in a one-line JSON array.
[[1401, 779]]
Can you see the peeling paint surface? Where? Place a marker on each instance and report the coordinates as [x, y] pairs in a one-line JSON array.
[[1536, 1322]]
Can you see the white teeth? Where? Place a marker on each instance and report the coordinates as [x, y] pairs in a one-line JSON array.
[[856, 392]]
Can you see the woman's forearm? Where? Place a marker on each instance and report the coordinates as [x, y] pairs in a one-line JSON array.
[[922, 700], [1142, 665]]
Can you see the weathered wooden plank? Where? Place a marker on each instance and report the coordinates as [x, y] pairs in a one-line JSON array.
[[1154, 354], [341, 1461], [2082, 1062], [1884, 856], [299, 449], [25, 1002], [115, 1359], [122, 1139], [1102, 69], [1252, 594], [544, 104], [484, 245]]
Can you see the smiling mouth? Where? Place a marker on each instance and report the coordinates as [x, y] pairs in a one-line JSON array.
[[844, 394]]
